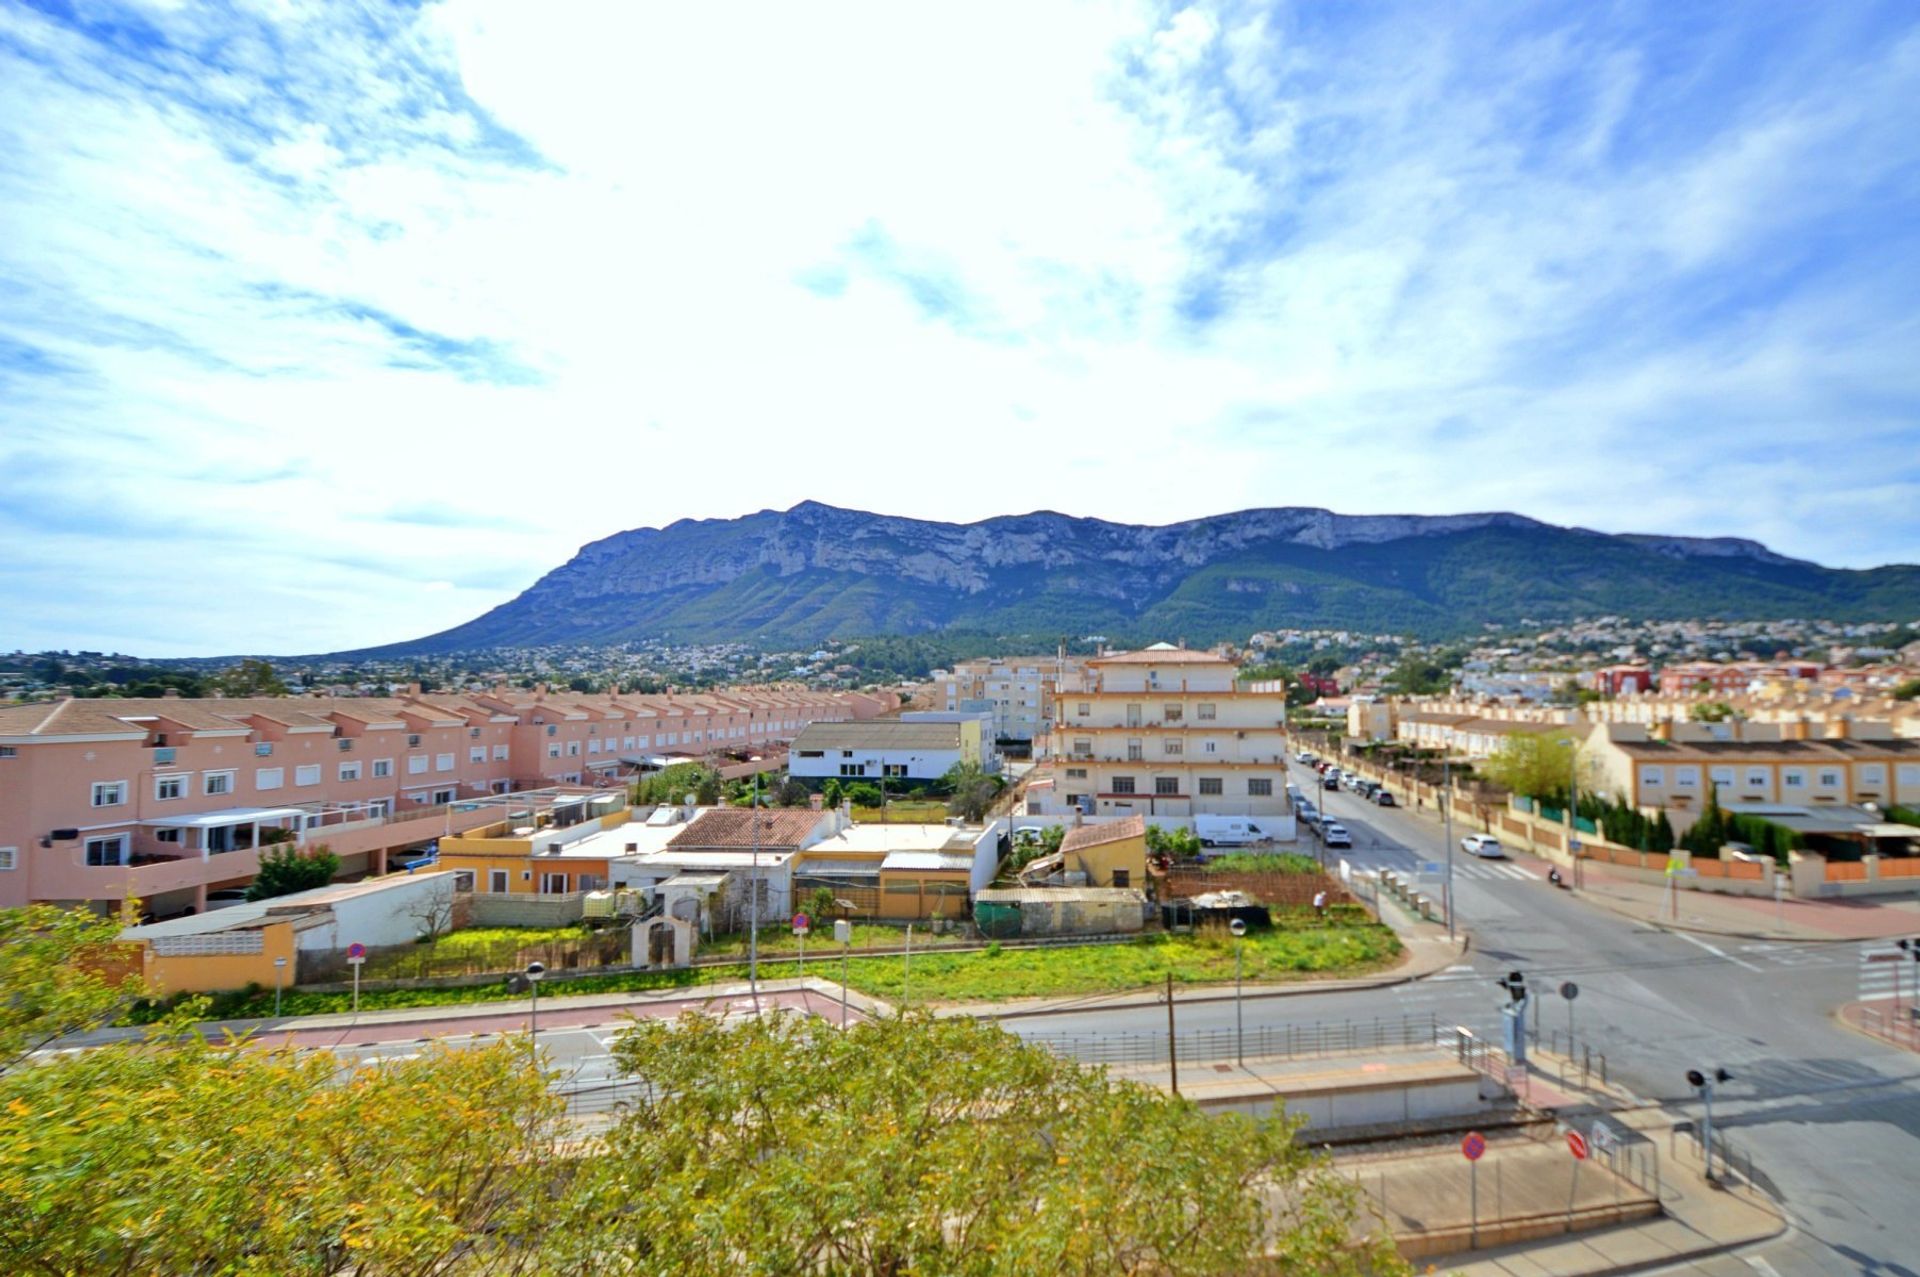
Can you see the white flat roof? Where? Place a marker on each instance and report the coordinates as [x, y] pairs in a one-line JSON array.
[[675, 861], [230, 816], [880, 839], [928, 860]]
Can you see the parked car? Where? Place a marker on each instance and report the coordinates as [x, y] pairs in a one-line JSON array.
[[1295, 793], [1330, 781], [1307, 814], [1486, 846], [1334, 834], [1229, 831], [1384, 798], [1366, 788]]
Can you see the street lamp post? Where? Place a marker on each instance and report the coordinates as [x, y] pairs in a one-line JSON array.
[[1446, 818], [535, 972], [1239, 928]]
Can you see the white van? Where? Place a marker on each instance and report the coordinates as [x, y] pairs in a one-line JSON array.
[[1235, 831]]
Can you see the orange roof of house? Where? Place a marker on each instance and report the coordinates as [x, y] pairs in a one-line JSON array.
[[732, 827]]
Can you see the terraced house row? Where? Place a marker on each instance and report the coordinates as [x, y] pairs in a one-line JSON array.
[[169, 799]]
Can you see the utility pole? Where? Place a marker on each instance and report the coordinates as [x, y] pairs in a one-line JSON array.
[[753, 903], [1446, 819], [1173, 1048]]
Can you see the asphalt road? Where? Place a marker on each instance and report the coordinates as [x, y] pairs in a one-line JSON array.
[[1830, 1119]]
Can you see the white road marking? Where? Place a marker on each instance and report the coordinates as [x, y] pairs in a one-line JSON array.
[[1762, 1267], [1716, 952]]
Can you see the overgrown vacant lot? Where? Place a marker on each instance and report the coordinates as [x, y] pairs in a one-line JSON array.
[[1295, 950]]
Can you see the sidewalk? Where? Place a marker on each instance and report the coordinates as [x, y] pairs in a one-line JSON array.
[[1698, 1218], [1737, 917]]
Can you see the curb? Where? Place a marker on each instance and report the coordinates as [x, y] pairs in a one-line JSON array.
[[1660, 924]]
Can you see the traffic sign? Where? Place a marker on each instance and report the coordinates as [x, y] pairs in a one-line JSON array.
[[1601, 1136], [356, 951], [1573, 844], [1577, 1143], [1473, 1146], [1569, 990], [800, 924]]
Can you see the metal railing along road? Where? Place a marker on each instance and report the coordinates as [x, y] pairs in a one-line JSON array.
[[1276, 1041]]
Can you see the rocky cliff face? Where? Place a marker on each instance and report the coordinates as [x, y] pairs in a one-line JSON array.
[[817, 571]]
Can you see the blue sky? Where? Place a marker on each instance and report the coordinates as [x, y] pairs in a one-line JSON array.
[[322, 327]]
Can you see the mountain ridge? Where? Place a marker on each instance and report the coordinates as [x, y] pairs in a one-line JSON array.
[[816, 571]]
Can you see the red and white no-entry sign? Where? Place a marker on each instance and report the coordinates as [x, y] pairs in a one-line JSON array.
[[1578, 1144]]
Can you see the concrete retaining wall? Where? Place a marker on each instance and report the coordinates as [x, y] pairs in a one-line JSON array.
[[492, 909]]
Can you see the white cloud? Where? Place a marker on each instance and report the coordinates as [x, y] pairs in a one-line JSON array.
[[457, 292]]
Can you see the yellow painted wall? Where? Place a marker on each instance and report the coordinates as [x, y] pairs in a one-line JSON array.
[[213, 972], [1098, 862], [900, 905]]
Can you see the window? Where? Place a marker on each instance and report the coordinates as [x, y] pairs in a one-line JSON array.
[[499, 753], [853, 769], [813, 753], [443, 762], [8, 751], [1210, 747], [573, 749], [1173, 747], [350, 771], [1082, 748], [473, 733], [1793, 778], [1722, 776], [1652, 777], [1133, 751], [497, 880], [218, 783], [167, 788], [593, 746], [413, 742], [1123, 878], [269, 777], [1204, 711], [1909, 774], [263, 750], [1076, 773], [1172, 713], [109, 793], [382, 768], [893, 769], [1757, 777], [478, 754], [1259, 787], [1210, 787], [553, 884], [416, 764], [9, 856], [1122, 785], [111, 850], [166, 835], [308, 774], [553, 749], [1829, 778], [1686, 777], [1133, 716], [445, 795], [553, 730], [1874, 774], [1166, 786]]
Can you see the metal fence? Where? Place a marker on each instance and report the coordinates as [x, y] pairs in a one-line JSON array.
[[1897, 1026], [1731, 1166], [1277, 1041]]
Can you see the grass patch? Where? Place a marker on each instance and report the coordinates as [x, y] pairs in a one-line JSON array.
[[1294, 952], [1266, 862], [778, 939], [904, 811], [1202, 958]]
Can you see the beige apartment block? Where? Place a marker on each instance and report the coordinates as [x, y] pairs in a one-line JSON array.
[[1017, 690], [1165, 732], [1674, 765]]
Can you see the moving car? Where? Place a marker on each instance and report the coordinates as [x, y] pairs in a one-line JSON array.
[[1486, 846], [1335, 834], [1384, 798]]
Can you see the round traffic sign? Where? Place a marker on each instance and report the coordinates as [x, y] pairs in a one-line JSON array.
[[1577, 1144], [356, 950], [800, 922], [1569, 990], [1473, 1146]]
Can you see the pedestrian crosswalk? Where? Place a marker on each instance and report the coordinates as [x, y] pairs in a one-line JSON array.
[[1884, 974], [1493, 871]]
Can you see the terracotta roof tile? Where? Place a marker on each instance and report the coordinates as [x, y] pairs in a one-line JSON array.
[[780, 828]]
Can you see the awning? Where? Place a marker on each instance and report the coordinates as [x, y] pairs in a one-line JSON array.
[[838, 869], [231, 816]]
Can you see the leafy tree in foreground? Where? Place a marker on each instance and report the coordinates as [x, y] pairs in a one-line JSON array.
[[939, 1146], [285, 870], [180, 1156], [973, 790], [57, 976]]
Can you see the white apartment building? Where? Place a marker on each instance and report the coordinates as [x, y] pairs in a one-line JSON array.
[[1013, 689], [1164, 732]]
